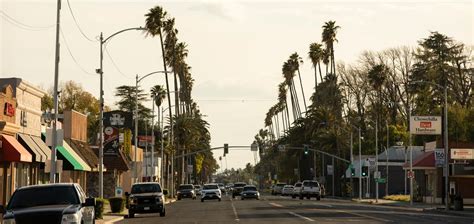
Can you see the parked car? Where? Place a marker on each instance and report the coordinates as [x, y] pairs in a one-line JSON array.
[[250, 191], [186, 191], [296, 190], [237, 189], [146, 198], [222, 187], [287, 190], [310, 188], [49, 203], [277, 188], [211, 191], [197, 190]]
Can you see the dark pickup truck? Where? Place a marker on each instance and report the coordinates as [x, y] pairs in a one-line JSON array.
[[49, 203], [238, 188], [146, 198]]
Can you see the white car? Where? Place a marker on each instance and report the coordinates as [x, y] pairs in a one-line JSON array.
[[296, 190], [310, 188], [211, 191], [287, 190]]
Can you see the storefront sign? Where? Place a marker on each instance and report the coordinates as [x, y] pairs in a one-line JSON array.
[[462, 154], [118, 119], [439, 157], [143, 141], [9, 109], [425, 125], [111, 141]]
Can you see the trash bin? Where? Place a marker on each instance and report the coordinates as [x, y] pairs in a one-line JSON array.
[[458, 203]]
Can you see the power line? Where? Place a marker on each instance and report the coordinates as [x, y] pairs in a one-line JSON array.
[[72, 56], [21, 25], [114, 64], [77, 24]]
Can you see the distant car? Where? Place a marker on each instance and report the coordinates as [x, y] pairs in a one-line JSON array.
[[211, 191], [250, 191], [186, 191], [146, 198], [49, 203], [287, 190], [296, 190], [229, 187], [221, 187], [237, 189], [277, 188], [197, 190], [309, 189]]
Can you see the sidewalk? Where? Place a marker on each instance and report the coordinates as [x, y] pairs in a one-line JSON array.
[[109, 217], [434, 208]]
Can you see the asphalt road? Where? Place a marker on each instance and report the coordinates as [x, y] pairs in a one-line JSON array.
[[285, 210]]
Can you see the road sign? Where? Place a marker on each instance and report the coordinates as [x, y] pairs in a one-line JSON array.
[[425, 125], [254, 147], [281, 148], [381, 180], [377, 175], [411, 174], [439, 157], [190, 169], [330, 170]]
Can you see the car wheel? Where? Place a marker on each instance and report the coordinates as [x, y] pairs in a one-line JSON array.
[[219, 199], [242, 198], [179, 198], [308, 197], [318, 198], [233, 195], [163, 213], [131, 214], [293, 196], [202, 200], [301, 197]]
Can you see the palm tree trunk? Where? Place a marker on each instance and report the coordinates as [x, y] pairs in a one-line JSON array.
[[302, 91], [293, 107], [315, 77], [287, 114], [283, 121], [320, 73], [297, 102], [166, 76], [333, 62]]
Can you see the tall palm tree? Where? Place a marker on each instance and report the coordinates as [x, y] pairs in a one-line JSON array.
[[288, 74], [172, 60], [296, 60], [158, 94], [329, 37], [315, 54], [154, 24]]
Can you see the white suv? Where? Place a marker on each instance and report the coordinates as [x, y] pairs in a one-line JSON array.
[[310, 188], [296, 190], [211, 191]]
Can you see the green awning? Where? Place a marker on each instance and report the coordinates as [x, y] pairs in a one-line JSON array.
[[69, 158]]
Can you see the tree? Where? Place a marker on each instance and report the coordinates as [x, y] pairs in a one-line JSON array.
[[329, 37], [315, 54], [171, 55], [295, 61]]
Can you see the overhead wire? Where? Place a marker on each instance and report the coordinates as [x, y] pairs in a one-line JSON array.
[[22, 25], [114, 64], [77, 23], [72, 56]]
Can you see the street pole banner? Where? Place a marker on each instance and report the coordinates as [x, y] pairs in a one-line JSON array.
[[111, 141], [425, 125], [462, 154], [439, 157], [118, 119]]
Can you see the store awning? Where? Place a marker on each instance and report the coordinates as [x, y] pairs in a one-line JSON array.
[[62, 152], [423, 162], [76, 156], [30, 145], [41, 145], [86, 153], [13, 151]]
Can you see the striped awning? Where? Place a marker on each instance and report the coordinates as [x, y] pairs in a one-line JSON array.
[[32, 147]]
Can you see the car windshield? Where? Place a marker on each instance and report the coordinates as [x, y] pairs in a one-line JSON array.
[[197, 187], [145, 188], [281, 185], [210, 187], [239, 185], [288, 186], [38, 196], [221, 185], [185, 187], [311, 184], [298, 185], [250, 189]]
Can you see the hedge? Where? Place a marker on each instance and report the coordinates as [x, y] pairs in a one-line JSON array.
[[117, 204], [99, 207]]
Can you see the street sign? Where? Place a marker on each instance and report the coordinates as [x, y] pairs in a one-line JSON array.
[[330, 170], [411, 174], [425, 125], [439, 157], [377, 175], [281, 148], [254, 147], [381, 180], [462, 154], [59, 137], [190, 169]]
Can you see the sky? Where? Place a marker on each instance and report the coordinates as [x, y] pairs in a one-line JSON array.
[[236, 48]]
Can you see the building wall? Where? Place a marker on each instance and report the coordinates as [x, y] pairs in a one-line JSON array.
[[28, 111], [75, 125]]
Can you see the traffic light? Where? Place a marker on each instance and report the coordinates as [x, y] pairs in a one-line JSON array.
[[306, 150], [226, 149], [365, 171], [353, 171]]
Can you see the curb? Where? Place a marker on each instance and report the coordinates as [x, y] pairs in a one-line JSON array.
[[395, 206], [454, 213], [114, 220]]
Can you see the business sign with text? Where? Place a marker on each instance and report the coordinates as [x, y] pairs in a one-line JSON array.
[[425, 125]]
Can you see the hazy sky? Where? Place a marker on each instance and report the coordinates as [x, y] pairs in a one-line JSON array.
[[236, 48]]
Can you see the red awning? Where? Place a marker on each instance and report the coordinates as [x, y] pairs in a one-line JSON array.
[[13, 151], [423, 162]]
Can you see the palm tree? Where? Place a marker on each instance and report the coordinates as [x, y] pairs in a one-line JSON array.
[[315, 54], [171, 56], [329, 37], [158, 94], [288, 74], [295, 62], [154, 24]]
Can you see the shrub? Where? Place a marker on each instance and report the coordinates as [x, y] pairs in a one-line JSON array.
[[117, 204], [398, 197], [99, 207]]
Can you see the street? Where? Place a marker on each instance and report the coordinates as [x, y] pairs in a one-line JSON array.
[[277, 209]]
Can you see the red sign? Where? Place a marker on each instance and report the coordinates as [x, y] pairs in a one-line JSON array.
[[411, 174], [9, 110], [425, 124]]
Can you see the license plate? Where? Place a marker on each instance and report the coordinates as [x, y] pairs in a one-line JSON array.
[[146, 208]]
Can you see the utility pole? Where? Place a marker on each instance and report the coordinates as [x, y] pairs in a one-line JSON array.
[[352, 162], [376, 160], [360, 165], [101, 121], [446, 145], [52, 174], [153, 140], [136, 131], [386, 161]]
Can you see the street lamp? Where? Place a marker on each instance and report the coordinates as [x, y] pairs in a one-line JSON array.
[[137, 80], [360, 160], [446, 148], [100, 71]]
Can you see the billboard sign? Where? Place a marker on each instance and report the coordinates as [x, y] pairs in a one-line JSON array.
[[462, 154], [118, 119], [425, 125]]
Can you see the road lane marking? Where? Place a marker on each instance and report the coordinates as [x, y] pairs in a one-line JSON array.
[[365, 216], [276, 205], [329, 206], [300, 216], [235, 211]]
